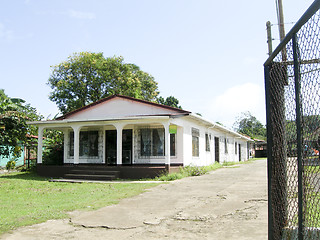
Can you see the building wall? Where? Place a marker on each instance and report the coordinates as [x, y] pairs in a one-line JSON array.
[[120, 107], [228, 145], [177, 159], [19, 160]]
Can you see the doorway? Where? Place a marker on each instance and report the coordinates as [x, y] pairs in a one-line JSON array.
[[239, 152], [111, 147], [127, 146], [216, 149]]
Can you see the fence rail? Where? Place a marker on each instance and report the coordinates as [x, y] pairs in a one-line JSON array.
[[292, 83]]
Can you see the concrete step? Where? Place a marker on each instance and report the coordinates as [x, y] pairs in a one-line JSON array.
[[102, 177], [94, 172]]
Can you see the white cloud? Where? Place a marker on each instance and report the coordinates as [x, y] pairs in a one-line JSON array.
[[240, 98], [80, 15]]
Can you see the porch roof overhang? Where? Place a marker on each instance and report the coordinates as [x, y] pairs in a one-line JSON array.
[[105, 121]]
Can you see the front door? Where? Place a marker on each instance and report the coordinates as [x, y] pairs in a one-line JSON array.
[[239, 152], [216, 149], [127, 146], [111, 147]]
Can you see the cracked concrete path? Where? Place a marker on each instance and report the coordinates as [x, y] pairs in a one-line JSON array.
[[229, 203]]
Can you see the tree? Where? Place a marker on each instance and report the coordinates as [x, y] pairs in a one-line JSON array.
[[169, 101], [13, 128], [249, 125], [87, 77]]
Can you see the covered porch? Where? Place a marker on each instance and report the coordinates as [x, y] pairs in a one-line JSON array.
[[123, 148]]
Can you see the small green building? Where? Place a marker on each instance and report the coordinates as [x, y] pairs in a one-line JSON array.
[[19, 161]]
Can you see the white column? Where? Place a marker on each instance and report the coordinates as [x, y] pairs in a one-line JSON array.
[[167, 144], [65, 144], [40, 144], [76, 130], [119, 143]]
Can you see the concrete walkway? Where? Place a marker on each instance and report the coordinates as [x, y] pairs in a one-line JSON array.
[[229, 203]]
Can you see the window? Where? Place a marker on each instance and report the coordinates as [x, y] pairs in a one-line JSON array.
[[88, 144], [195, 142], [207, 142], [152, 142]]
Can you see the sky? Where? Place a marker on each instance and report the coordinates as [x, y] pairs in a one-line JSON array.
[[209, 54]]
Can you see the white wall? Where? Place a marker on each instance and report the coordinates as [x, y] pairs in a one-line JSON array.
[[208, 157], [119, 108], [183, 145]]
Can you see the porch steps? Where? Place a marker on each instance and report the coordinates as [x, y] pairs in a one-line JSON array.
[[92, 174]]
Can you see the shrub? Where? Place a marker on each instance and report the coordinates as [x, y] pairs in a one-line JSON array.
[[53, 156], [195, 171], [187, 172], [11, 165], [170, 177]]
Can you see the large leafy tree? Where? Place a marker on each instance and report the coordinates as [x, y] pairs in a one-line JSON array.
[[169, 101], [14, 131], [249, 125], [87, 77]]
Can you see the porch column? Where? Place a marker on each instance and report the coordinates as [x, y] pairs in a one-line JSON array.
[[65, 145], [40, 144], [119, 142], [167, 144], [76, 130]]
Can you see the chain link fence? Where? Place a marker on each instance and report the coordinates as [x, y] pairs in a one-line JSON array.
[[292, 80]]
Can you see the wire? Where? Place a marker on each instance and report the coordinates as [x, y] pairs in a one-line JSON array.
[[276, 24]]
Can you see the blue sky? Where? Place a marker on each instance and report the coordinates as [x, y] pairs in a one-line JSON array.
[[207, 53]]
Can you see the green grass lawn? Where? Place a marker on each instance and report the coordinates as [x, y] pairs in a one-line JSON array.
[[26, 198]]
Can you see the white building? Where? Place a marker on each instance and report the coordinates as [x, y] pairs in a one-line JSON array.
[[133, 136]]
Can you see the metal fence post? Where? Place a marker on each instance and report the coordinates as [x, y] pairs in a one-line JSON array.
[[299, 133], [269, 152], [276, 128]]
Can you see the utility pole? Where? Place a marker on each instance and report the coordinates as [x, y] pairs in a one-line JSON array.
[[281, 20], [269, 41], [281, 27]]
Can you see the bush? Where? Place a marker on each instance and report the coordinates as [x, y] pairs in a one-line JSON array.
[[11, 165], [170, 177], [53, 156], [195, 171], [188, 171]]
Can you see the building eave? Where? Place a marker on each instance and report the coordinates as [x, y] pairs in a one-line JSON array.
[[113, 119], [212, 125]]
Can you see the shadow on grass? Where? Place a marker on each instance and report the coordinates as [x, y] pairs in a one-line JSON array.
[[23, 176]]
